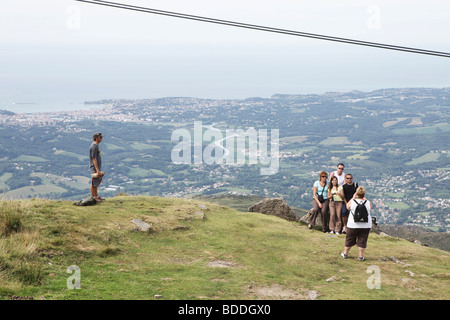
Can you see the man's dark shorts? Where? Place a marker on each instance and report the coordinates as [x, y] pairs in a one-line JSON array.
[[344, 211], [96, 181]]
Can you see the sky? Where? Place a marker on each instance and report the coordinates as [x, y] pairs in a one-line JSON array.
[[63, 50]]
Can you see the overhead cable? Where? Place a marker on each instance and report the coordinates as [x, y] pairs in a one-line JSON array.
[[267, 29]]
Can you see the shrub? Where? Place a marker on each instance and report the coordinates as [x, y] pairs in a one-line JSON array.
[[29, 273], [10, 222]]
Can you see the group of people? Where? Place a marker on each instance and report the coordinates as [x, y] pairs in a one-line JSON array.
[[336, 199]]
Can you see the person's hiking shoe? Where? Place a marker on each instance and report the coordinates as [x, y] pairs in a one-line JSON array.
[[343, 255], [361, 259], [98, 199]]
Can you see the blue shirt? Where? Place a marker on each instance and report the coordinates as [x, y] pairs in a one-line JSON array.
[[322, 190]]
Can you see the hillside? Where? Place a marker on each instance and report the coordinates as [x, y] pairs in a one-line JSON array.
[[197, 250], [390, 140], [440, 240]]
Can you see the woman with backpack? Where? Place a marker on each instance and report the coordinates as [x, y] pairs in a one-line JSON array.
[[358, 225]]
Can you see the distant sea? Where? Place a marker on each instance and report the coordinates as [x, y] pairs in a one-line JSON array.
[[24, 105]]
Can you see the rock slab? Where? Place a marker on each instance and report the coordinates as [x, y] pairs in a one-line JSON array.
[[141, 225], [276, 207]]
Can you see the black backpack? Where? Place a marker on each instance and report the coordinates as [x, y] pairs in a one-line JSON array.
[[361, 214]]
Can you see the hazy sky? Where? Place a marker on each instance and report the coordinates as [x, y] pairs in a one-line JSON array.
[[63, 49]]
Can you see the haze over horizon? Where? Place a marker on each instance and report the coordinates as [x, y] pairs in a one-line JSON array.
[[60, 54]]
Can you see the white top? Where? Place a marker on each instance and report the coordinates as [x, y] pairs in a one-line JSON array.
[[359, 225], [341, 178]]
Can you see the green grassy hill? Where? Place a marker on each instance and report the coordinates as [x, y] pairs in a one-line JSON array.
[[227, 255]]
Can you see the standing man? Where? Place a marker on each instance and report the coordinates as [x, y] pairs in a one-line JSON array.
[[339, 173], [95, 165], [349, 194]]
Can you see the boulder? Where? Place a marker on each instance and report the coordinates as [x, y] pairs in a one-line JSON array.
[[307, 218], [86, 201], [276, 207], [141, 225], [375, 227]]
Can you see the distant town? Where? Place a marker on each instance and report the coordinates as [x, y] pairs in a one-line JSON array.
[[394, 141]]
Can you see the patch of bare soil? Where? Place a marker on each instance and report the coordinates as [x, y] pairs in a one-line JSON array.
[[277, 292]]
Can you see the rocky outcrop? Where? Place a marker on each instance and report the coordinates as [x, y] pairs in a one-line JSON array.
[[275, 207], [375, 227], [86, 201], [307, 218]]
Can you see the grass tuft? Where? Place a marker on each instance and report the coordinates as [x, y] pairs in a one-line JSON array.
[[10, 219], [29, 272]]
